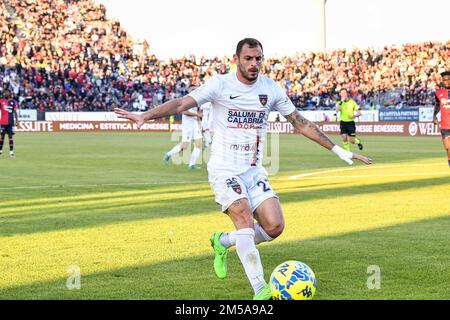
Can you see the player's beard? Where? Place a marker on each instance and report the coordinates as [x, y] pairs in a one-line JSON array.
[[246, 74]]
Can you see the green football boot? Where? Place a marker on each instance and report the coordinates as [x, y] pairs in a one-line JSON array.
[[220, 255], [264, 294]]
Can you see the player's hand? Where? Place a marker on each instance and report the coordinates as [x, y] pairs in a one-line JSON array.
[[343, 154], [362, 158], [435, 121], [124, 114], [347, 156]]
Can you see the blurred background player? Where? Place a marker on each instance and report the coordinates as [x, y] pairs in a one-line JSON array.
[[8, 111], [348, 110], [171, 122], [206, 122], [443, 105], [191, 130]]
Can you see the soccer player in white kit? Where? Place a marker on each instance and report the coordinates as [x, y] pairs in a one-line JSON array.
[[242, 101], [190, 130], [206, 123]]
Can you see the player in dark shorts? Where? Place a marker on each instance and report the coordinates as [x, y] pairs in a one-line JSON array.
[[8, 111], [348, 110], [443, 105]]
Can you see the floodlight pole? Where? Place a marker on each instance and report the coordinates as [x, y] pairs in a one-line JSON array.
[[323, 22]]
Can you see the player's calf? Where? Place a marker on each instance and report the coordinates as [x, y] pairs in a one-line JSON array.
[[240, 213]]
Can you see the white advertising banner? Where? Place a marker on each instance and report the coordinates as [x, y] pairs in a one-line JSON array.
[[27, 115], [315, 116], [327, 115], [81, 116], [426, 114]]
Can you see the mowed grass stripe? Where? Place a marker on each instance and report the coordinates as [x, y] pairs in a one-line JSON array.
[[338, 277], [116, 198], [157, 240], [101, 213], [156, 191], [363, 172], [372, 185]]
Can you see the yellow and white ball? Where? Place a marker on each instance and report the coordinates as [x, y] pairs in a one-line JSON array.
[[293, 280]]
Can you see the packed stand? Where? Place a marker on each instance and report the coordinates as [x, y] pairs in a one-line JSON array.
[[65, 55]]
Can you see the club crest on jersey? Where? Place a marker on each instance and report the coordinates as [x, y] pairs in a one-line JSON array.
[[234, 185], [263, 99]]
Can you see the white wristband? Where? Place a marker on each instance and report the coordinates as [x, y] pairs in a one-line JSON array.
[[343, 154]]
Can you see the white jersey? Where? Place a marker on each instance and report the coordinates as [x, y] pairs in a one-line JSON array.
[[207, 116], [189, 120], [190, 127], [240, 120]]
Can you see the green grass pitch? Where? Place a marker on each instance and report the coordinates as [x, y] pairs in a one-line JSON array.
[[105, 203]]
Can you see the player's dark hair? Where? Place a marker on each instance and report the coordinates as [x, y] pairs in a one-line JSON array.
[[445, 74], [251, 42]]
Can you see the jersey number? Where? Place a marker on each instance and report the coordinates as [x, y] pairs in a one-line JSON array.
[[264, 186]]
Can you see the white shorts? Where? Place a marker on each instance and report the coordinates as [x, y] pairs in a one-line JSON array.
[[252, 185], [191, 132]]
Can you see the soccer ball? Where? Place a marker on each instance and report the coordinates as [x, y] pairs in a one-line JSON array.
[[292, 280]]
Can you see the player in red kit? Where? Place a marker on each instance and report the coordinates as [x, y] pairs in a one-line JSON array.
[[8, 111], [443, 105]]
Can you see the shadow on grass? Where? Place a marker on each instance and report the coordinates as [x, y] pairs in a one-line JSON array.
[[65, 218], [413, 259]]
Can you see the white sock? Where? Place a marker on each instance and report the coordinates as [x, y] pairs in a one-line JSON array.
[[249, 256], [261, 235], [194, 156], [228, 239], [207, 136], [174, 150]]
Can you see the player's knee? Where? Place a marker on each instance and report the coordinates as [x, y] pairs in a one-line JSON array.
[[275, 229]]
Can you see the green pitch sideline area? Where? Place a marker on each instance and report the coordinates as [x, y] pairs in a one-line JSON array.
[[102, 208]]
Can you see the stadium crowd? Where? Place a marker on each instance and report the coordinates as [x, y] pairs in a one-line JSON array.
[[65, 55]]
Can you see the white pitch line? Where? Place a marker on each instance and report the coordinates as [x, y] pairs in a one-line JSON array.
[[378, 175], [366, 167]]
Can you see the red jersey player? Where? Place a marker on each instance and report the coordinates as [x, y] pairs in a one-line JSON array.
[[8, 110], [443, 105]]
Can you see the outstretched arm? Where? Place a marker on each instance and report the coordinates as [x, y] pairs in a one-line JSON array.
[[311, 131], [166, 109], [197, 114]]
